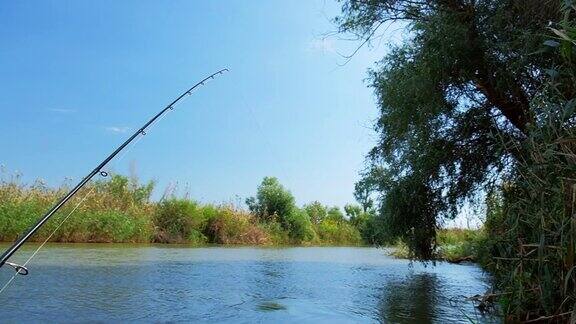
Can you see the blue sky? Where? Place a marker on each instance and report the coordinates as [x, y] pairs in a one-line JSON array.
[[76, 77]]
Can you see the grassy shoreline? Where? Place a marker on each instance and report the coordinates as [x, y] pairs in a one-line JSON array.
[[119, 210], [454, 245], [194, 246]]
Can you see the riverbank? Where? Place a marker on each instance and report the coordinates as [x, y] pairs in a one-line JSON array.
[[120, 210], [455, 245]]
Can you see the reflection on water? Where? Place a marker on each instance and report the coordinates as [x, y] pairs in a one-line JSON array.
[[410, 298], [78, 283]]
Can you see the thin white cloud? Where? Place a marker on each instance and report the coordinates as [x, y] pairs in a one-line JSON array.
[[324, 45], [62, 110], [117, 129]]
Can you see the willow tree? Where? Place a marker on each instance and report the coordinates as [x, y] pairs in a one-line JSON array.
[[466, 71]]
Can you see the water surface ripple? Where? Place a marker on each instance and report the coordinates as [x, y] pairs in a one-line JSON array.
[[159, 283]]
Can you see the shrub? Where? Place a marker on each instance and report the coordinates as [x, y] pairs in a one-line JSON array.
[[272, 200], [335, 214], [105, 227], [18, 216], [338, 232], [299, 226], [123, 193], [178, 220], [458, 244], [371, 228], [316, 212], [276, 233], [232, 226]]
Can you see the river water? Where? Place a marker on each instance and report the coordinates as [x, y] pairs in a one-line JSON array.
[[160, 283]]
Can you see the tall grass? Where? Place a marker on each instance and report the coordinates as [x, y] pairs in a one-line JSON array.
[[531, 219], [120, 210], [529, 238], [113, 211], [531, 226]]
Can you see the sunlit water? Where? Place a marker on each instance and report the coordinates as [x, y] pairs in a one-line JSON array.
[[131, 283]]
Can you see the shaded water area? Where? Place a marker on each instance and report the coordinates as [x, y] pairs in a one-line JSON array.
[[123, 283]]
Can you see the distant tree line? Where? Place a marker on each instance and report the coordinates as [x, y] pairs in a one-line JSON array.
[[274, 203]]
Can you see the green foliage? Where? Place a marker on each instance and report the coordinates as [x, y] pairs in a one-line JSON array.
[[272, 201], [462, 75], [371, 227], [330, 225], [332, 231], [316, 211], [104, 226], [335, 214], [274, 204], [179, 220], [126, 190], [531, 224], [120, 210], [299, 226], [232, 226], [16, 215], [352, 211], [455, 245], [400, 250], [458, 245], [114, 212], [277, 234], [480, 97], [363, 190], [416, 225]]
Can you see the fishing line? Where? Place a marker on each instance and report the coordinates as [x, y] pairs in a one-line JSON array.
[[143, 132], [110, 167], [124, 149], [23, 266], [107, 172], [260, 130]]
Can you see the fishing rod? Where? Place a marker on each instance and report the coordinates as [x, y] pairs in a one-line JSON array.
[[21, 269]]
